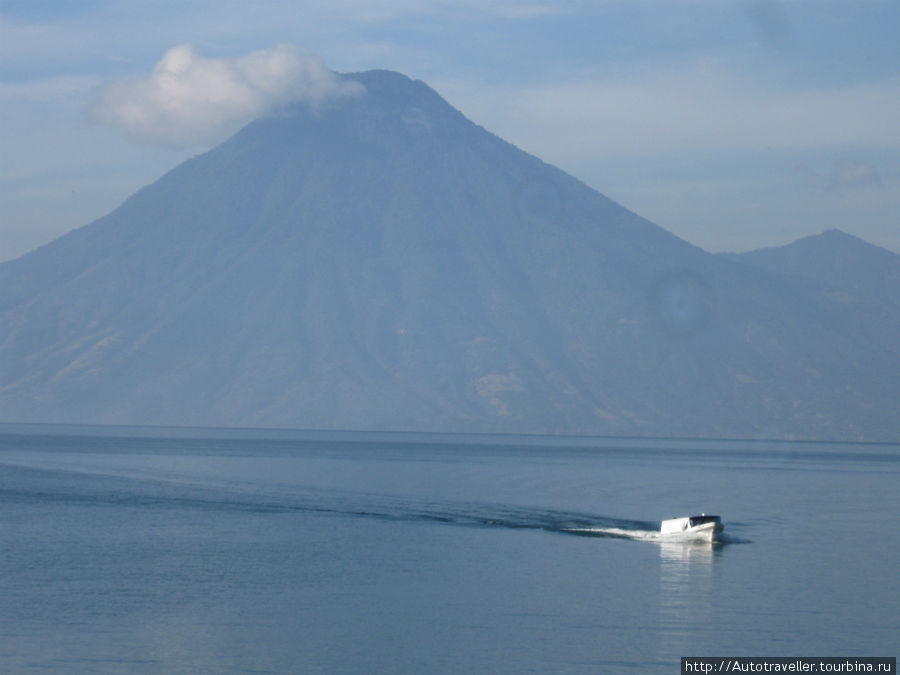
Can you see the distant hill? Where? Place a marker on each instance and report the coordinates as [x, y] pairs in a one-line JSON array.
[[384, 263], [838, 261]]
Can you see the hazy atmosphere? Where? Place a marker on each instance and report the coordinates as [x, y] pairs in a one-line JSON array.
[[734, 125], [449, 337]]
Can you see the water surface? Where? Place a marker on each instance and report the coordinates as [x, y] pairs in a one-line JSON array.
[[147, 550]]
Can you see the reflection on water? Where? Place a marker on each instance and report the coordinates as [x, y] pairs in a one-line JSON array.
[[686, 594]]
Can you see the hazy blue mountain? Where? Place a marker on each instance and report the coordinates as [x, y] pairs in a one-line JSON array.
[[848, 266], [384, 263]]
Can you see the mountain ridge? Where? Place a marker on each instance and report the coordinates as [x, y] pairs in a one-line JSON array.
[[382, 262], [836, 260]]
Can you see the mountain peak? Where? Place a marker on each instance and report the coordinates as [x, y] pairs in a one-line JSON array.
[[832, 237], [380, 79], [836, 260], [835, 233], [389, 85], [386, 104], [833, 242], [387, 89]]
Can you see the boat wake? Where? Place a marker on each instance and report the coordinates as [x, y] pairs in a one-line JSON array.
[[165, 492], [618, 533]]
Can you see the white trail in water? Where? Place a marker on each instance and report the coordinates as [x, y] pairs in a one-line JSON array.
[[640, 535]]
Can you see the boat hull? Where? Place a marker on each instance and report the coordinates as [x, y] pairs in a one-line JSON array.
[[708, 532]]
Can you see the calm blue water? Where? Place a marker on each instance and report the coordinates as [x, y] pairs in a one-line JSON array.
[[141, 550]]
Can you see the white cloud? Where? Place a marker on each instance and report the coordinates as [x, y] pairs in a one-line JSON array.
[[849, 174], [844, 177], [189, 99]]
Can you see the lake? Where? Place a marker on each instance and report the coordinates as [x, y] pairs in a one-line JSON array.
[[185, 550]]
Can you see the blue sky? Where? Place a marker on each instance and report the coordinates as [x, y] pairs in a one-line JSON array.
[[734, 124]]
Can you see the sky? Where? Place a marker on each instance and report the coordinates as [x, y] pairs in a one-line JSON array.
[[735, 124]]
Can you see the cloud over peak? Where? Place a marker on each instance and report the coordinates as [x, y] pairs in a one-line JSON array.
[[188, 99]]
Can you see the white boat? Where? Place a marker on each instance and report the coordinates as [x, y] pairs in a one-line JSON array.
[[693, 528]]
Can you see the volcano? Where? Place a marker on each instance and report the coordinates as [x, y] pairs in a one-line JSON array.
[[383, 263]]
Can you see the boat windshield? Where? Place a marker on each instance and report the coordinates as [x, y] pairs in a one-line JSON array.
[[700, 520]]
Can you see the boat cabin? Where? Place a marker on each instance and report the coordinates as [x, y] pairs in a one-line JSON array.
[[677, 525]]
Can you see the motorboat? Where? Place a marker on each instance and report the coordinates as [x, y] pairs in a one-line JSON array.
[[692, 528]]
